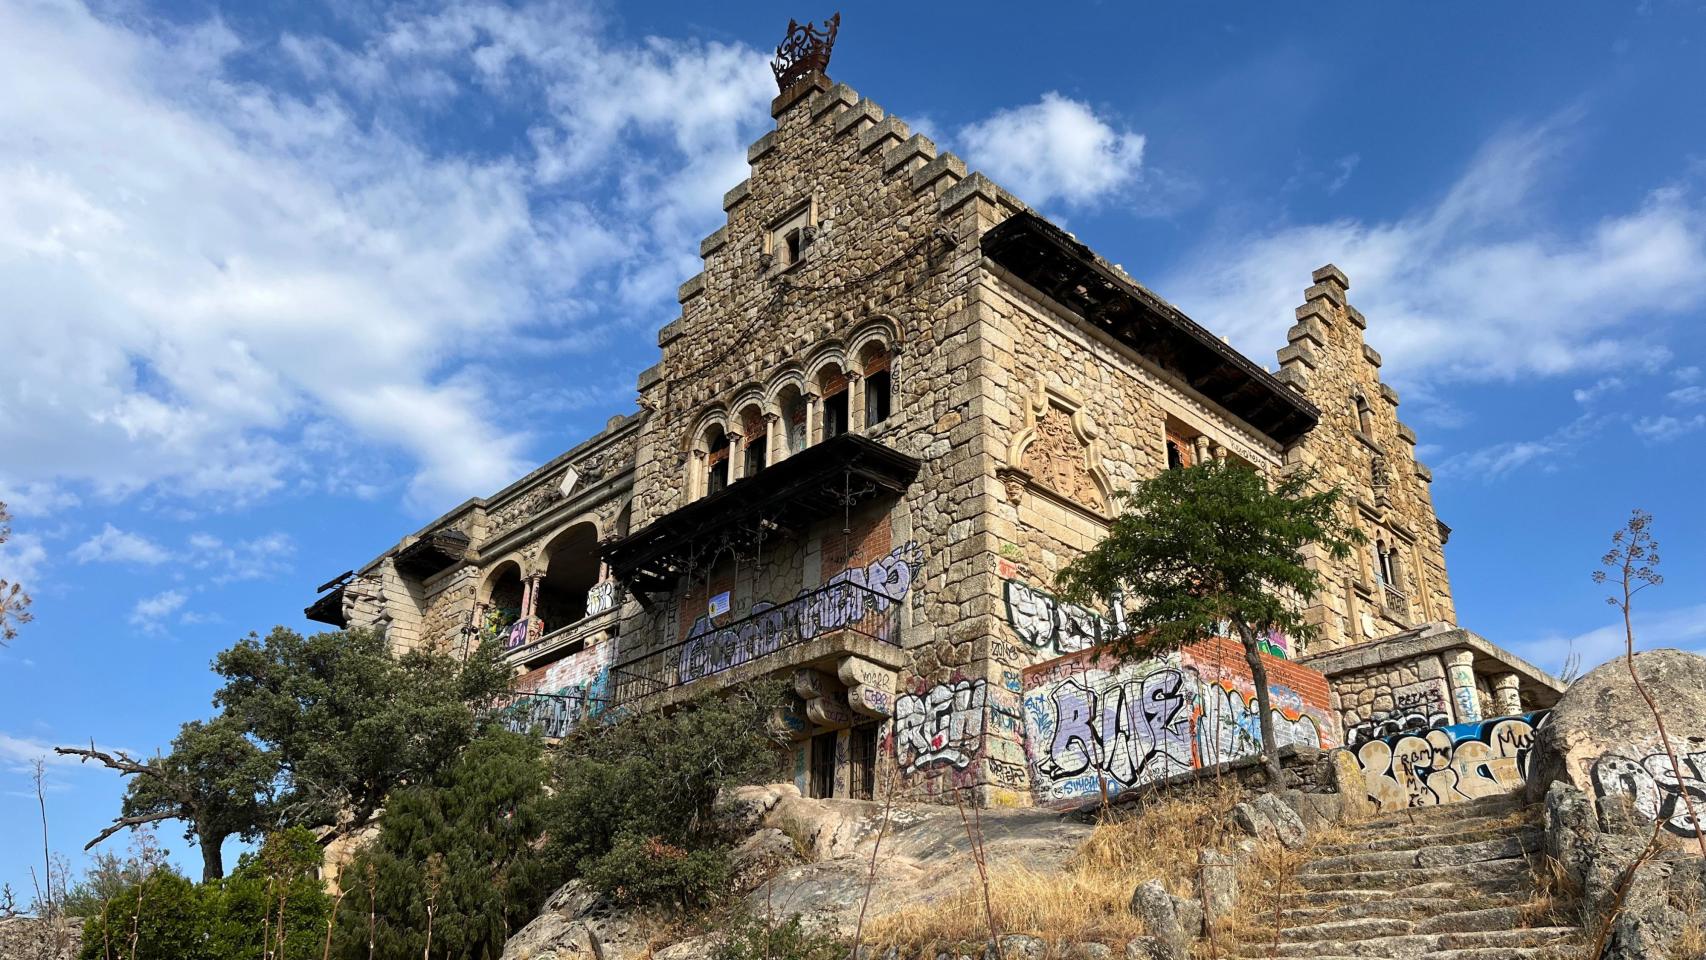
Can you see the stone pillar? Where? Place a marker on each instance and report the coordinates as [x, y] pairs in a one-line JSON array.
[[814, 418], [530, 603], [737, 455], [775, 439], [1460, 675], [855, 402], [1507, 694], [1200, 451]]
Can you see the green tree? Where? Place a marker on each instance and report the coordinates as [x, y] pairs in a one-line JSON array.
[[14, 602], [632, 805], [455, 860], [348, 721], [215, 779], [1210, 545], [160, 918]]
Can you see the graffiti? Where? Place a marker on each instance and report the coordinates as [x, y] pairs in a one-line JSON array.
[[1418, 707], [711, 650], [941, 725], [601, 598], [556, 699], [1049, 624], [1449, 764], [1655, 788], [1094, 725]]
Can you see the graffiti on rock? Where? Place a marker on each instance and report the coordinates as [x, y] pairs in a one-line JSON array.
[[1095, 724], [941, 725], [886, 581], [1655, 788], [1449, 764]]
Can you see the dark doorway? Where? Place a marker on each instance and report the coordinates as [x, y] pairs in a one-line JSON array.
[[862, 762], [822, 785]]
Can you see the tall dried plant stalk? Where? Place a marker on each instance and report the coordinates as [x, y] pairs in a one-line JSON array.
[[973, 823], [871, 873], [1634, 559]]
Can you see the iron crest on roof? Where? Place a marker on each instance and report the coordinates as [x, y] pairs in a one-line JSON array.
[[806, 51]]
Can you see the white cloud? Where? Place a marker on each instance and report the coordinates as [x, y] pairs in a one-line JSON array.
[[1497, 460], [150, 613], [198, 266], [1691, 394], [21, 559], [1686, 374], [1587, 395], [1680, 627], [1666, 427], [255, 559], [17, 753], [113, 545], [1054, 149], [1472, 286]]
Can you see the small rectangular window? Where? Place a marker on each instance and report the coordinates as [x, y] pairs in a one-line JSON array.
[[877, 398], [755, 452], [822, 770]]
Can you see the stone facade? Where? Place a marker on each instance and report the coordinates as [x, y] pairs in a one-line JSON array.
[[857, 288]]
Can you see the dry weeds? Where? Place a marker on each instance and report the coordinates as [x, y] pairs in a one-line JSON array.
[[1089, 897]]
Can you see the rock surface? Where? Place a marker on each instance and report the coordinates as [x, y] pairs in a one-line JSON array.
[[27, 938], [1602, 740]]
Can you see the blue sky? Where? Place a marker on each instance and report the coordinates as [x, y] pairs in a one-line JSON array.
[[284, 282]]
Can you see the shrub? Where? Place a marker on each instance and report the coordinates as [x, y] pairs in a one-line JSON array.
[[632, 811], [753, 938]]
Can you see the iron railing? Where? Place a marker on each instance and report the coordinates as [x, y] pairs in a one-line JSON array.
[[712, 648], [552, 714]]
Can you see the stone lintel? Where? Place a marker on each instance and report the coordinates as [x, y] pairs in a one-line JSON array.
[[1356, 317], [799, 90], [650, 377], [1326, 291], [880, 133], [838, 97], [1370, 354], [761, 146], [670, 332], [974, 185], [1424, 473], [1317, 310], [857, 117], [1295, 376], [1390, 394], [736, 194], [945, 165], [1331, 274], [694, 286], [1406, 433], [915, 147], [1306, 330], [714, 242], [1299, 352]]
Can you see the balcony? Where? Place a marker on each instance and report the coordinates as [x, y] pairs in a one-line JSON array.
[[1395, 604], [816, 628], [552, 714]]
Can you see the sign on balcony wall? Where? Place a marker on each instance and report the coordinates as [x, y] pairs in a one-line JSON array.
[[718, 606], [1094, 723]]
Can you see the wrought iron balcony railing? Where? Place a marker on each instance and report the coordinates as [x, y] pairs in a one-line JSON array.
[[712, 648], [552, 714]]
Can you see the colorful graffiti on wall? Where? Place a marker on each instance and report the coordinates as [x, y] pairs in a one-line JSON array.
[[810, 614], [556, 698], [1427, 768], [1655, 788], [1417, 707], [1094, 724], [1051, 624], [941, 725]]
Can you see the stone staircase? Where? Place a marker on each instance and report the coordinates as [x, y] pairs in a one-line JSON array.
[[1438, 883]]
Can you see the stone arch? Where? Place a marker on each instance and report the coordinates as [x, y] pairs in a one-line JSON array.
[[570, 569]]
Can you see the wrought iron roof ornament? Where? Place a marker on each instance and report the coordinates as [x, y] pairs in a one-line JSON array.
[[806, 51]]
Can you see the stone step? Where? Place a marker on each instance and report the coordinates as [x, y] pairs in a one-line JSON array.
[[1484, 877], [1399, 905], [1480, 828], [1446, 813], [1453, 888], [1439, 855], [1414, 945], [1362, 928]]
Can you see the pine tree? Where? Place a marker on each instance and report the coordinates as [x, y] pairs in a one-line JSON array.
[[1209, 545]]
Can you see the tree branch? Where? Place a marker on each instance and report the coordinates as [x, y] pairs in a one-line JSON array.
[[123, 822], [117, 760]]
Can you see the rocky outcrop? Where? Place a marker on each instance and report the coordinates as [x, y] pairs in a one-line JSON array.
[[1602, 740], [27, 938]]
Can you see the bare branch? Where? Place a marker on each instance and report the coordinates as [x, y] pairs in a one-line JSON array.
[[122, 822]]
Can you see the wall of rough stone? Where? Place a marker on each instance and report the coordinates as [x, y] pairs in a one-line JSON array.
[[1328, 360]]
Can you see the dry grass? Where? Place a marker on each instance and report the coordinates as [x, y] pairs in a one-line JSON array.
[[1086, 899], [1691, 945]]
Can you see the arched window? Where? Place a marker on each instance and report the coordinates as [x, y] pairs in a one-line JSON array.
[[504, 593], [755, 441], [832, 387], [792, 405], [879, 383], [571, 571], [1365, 415], [716, 460]]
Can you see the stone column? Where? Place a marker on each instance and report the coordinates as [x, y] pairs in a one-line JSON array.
[[814, 418], [737, 455], [1200, 450], [1460, 675], [531, 603], [1507, 693], [855, 402], [775, 439]]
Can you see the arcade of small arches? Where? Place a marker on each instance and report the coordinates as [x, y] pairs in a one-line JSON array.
[[840, 391], [527, 595]]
